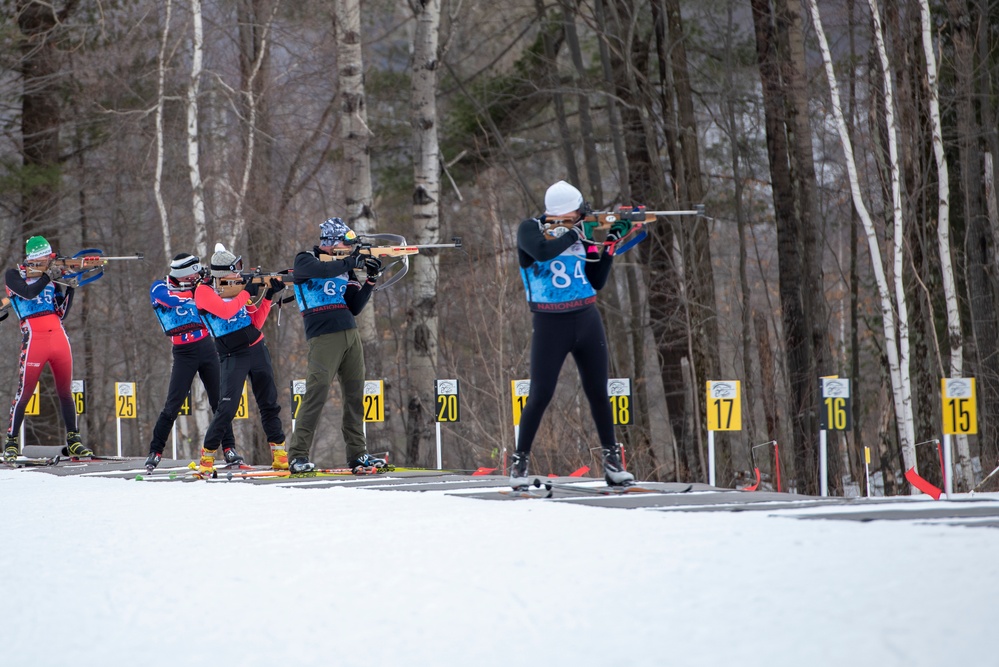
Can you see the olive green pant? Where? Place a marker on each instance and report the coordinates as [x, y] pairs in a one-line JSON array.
[[337, 354]]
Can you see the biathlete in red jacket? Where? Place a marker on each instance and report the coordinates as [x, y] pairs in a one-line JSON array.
[[41, 305], [193, 352], [235, 324]]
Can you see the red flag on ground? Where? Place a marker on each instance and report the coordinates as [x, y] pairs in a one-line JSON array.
[[483, 471], [922, 484], [580, 471]]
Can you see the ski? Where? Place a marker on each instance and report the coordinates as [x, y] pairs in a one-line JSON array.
[[606, 490], [33, 462], [95, 458], [526, 493]]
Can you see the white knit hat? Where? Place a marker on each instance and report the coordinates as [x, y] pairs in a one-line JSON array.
[[562, 198]]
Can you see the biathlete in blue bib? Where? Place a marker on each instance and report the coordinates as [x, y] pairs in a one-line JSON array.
[[562, 269]]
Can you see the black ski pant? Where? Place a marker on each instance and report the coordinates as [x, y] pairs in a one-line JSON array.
[[253, 362], [556, 335], [190, 359]]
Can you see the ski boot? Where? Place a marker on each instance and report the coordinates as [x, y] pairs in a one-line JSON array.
[[279, 456], [365, 463], [153, 461], [614, 472], [11, 450], [300, 465], [232, 457], [207, 464], [75, 446], [518, 471]]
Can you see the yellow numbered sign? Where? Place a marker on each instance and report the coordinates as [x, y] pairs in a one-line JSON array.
[[520, 390], [619, 392], [34, 403], [724, 405], [960, 406], [243, 409], [124, 401], [185, 407], [836, 408], [79, 389], [297, 395], [374, 401], [447, 401]]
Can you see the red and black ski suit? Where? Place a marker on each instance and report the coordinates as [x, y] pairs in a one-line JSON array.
[[41, 306]]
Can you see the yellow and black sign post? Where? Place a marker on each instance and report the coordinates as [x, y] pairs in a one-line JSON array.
[[519, 390], [79, 389], [186, 408], [960, 417], [124, 402], [619, 393], [33, 409], [297, 396], [447, 399], [243, 409], [374, 402], [834, 415], [724, 412]]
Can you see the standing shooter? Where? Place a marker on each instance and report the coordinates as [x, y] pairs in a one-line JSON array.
[[41, 306], [235, 324], [193, 352], [329, 296], [562, 270]]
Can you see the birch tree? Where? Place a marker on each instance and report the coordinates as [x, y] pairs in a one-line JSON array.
[[422, 313], [193, 141], [355, 134], [161, 67], [899, 375]]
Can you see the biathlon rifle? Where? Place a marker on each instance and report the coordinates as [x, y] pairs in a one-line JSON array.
[[638, 216], [230, 288], [398, 253], [82, 268]]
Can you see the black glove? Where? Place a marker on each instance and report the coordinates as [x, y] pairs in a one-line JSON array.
[[251, 288], [373, 266], [276, 286], [619, 230]]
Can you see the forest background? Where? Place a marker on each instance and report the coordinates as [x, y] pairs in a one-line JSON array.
[[843, 153]]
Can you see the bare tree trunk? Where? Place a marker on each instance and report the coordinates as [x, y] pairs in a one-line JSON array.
[[422, 314], [899, 375], [797, 336], [193, 135], [585, 120], [356, 136], [555, 89], [161, 67], [979, 255]]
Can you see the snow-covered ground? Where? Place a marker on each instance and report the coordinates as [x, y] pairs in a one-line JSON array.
[[112, 572]]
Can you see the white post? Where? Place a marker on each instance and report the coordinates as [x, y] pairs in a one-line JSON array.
[[823, 465], [22, 436], [711, 458], [119, 435], [439, 466], [174, 440], [867, 468], [948, 472]]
